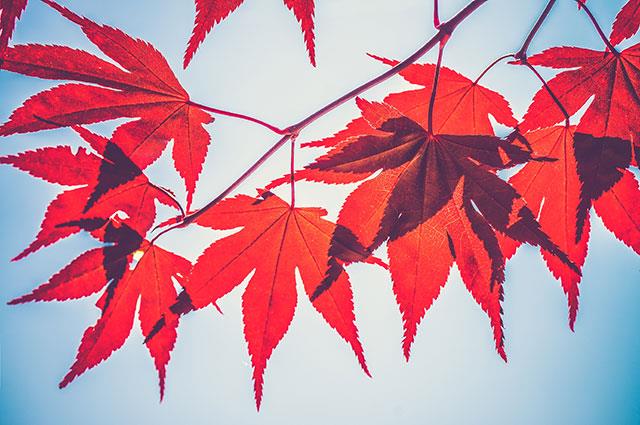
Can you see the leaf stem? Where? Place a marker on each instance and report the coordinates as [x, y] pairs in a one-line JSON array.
[[491, 65], [192, 217], [526, 63], [239, 116], [171, 196], [521, 58], [444, 31], [293, 172], [436, 15], [604, 38], [522, 53], [434, 89]]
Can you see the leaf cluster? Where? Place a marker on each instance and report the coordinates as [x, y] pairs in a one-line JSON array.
[[427, 165]]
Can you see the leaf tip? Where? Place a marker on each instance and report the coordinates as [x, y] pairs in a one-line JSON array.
[[573, 313], [68, 377], [406, 351], [503, 354], [161, 379]]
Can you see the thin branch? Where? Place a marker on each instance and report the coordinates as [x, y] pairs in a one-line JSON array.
[[434, 89], [520, 57], [522, 53], [604, 38], [291, 132], [445, 30], [436, 15], [192, 217], [526, 63], [239, 116]]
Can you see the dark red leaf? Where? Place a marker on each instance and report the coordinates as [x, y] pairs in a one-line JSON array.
[[437, 198], [618, 208], [613, 80]]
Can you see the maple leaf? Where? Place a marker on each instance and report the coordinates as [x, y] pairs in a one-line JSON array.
[[275, 239], [10, 12], [612, 79], [437, 198], [100, 188], [587, 171], [142, 86], [556, 209], [109, 268], [211, 12], [627, 22], [464, 107], [606, 140]]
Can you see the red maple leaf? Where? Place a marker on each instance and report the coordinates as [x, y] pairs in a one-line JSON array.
[[592, 158], [556, 209], [102, 187], [612, 79], [110, 268], [464, 107], [142, 87], [10, 11], [426, 162], [627, 22], [587, 171], [437, 198], [211, 12], [275, 240]]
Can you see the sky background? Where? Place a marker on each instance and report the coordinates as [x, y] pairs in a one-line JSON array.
[[255, 63]]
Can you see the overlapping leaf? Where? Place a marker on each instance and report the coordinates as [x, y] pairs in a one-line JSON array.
[[587, 171], [618, 209], [464, 108], [211, 12], [110, 269], [429, 188], [556, 209], [463, 105], [102, 186], [594, 156], [142, 86], [611, 78], [275, 240], [437, 199]]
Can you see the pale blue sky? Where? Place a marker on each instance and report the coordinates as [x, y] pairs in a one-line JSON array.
[[255, 63]]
